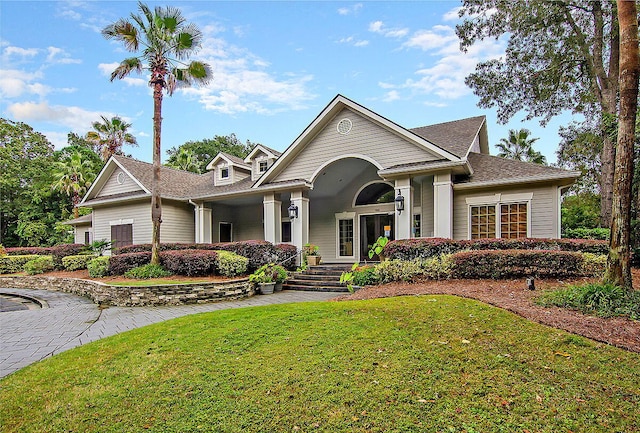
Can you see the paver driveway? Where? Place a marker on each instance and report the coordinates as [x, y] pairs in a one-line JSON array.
[[27, 336]]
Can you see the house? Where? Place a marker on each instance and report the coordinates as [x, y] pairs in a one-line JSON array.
[[350, 177]]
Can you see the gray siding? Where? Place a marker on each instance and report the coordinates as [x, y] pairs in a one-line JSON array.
[[177, 221], [112, 186], [427, 207], [246, 221], [365, 138], [544, 210]]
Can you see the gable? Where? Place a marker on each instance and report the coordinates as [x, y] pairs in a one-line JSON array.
[[118, 182], [351, 134]]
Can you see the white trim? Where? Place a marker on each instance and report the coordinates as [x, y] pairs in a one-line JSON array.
[[106, 167], [121, 221], [262, 149], [346, 216], [338, 158], [571, 176], [497, 200]]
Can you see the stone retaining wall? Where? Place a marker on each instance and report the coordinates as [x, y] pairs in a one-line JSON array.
[[127, 296]]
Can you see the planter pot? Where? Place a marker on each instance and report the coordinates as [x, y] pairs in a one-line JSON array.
[[267, 288], [313, 260], [278, 287]]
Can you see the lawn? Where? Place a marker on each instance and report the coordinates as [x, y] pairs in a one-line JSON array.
[[406, 364]]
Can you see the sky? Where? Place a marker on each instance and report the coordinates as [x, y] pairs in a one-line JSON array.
[[276, 65]]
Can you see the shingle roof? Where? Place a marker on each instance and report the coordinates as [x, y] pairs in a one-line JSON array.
[[456, 136], [236, 160], [85, 219], [494, 169], [174, 183]]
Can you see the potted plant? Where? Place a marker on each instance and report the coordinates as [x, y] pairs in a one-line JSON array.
[[279, 274], [311, 254], [263, 278]]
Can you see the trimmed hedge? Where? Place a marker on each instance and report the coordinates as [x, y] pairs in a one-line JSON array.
[[98, 267], [258, 252], [39, 265], [57, 252], [422, 248], [191, 263], [284, 252], [13, 264], [517, 264], [230, 264], [145, 272], [74, 263], [121, 263]]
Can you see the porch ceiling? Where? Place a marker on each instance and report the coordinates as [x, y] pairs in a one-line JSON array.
[[334, 178]]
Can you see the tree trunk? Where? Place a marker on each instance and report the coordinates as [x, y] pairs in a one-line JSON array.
[[156, 205], [618, 261]]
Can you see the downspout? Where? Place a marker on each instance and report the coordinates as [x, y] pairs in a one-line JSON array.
[[198, 223]]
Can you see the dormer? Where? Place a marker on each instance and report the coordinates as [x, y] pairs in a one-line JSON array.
[[228, 169], [260, 160]]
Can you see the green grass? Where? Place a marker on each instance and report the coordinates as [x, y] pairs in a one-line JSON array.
[[409, 364]]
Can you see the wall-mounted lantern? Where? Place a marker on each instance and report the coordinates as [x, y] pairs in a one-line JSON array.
[[399, 203], [293, 211]]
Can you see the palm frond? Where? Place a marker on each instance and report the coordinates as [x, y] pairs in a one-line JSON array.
[[126, 67]]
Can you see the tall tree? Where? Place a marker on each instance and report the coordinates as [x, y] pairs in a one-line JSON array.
[[561, 55], [518, 145], [580, 150], [109, 135], [205, 150], [618, 261], [167, 41], [73, 176], [29, 208]]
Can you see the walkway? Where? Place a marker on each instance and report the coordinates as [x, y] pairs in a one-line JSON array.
[[27, 336]]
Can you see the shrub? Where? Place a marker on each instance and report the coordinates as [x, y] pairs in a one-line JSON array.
[[258, 252], [121, 263], [141, 248], [3, 251], [516, 264], [39, 265], [145, 272], [26, 251], [423, 248], [189, 262], [98, 267], [286, 252], [13, 264], [583, 233], [397, 270], [605, 300], [230, 264], [58, 252], [365, 276], [593, 264], [73, 263], [437, 267]]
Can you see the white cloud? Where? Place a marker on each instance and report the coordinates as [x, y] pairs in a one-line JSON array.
[[58, 55], [445, 79], [391, 96], [14, 83], [353, 41], [452, 15], [20, 52], [75, 119], [380, 28], [350, 10], [243, 83]]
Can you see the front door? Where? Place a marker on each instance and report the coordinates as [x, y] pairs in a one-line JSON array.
[[371, 228]]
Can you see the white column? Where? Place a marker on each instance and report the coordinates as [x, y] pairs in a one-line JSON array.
[[404, 220], [272, 218], [443, 206], [202, 223], [300, 225]]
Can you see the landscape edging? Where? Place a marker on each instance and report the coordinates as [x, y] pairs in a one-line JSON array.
[[134, 296]]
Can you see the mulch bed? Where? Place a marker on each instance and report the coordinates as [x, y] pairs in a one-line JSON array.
[[512, 295]]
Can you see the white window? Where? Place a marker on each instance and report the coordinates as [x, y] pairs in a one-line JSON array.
[[345, 231], [224, 172], [500, 216], [262, 166]]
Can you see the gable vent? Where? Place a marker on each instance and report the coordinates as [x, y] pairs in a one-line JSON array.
[[344, 126]]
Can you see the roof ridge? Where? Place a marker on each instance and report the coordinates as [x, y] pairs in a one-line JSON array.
[[449, 121]]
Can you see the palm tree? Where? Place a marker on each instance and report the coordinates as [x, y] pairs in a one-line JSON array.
[[73, 176], [166, 41], [109, 136], [520, 147], [185, 160]]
